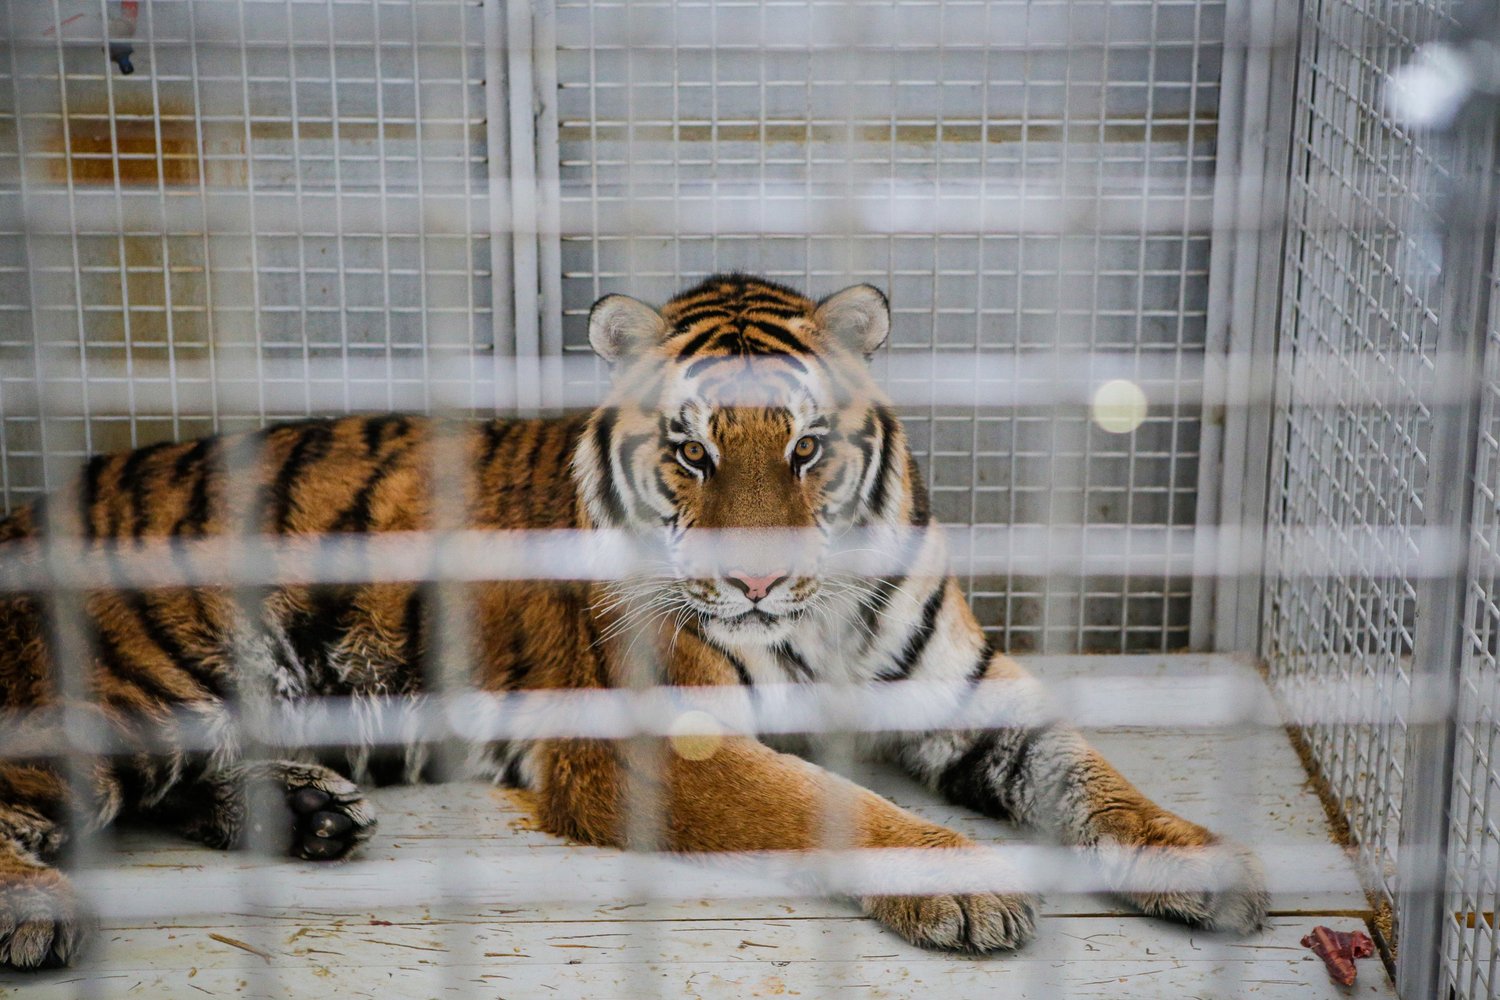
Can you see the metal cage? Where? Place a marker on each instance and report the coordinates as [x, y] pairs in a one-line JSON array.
[[296, 207]]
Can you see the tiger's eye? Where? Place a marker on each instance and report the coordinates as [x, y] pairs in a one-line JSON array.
[[694, 452], [806, 447]]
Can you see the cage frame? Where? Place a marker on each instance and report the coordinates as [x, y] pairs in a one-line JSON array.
[[1257, 111]]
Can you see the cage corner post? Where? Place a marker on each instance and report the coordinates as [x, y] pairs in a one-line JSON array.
[[497, 87], [1438, 655], [1248, 229], [524, 191]]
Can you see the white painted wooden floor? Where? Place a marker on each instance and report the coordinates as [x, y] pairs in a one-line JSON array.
[[539, 918]]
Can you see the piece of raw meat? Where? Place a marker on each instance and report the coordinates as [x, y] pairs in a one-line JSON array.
[[1338, 950]]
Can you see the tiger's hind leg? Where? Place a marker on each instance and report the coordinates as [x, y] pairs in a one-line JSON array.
[[324, 814]]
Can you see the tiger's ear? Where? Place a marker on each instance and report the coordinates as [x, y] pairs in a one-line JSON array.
[[859, 317], [620, 327]]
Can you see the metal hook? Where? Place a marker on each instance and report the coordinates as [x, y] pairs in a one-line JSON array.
[[122, 25]]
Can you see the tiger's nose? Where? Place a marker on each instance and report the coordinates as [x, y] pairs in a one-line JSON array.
[[755, 587]]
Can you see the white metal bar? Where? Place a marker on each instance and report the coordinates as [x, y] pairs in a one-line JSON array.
[[498, 150], [1448, 506], [548, 212], [525, 200], [1251, 331]]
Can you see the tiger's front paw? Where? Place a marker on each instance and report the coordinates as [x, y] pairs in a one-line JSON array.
[[1219, 887], [330, 816], [42, 922], [974, 922]]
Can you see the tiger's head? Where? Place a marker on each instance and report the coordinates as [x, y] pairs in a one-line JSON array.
[[737, 411]]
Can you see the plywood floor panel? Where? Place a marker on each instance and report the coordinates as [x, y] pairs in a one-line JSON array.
[[531, 916]]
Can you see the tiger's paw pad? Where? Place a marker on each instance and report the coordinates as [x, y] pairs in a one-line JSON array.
[[1219, 888], [42, 922], [973, 922], [329, 819]]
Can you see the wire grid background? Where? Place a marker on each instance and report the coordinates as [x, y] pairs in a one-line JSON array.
[[297, 224], [1359, 281], [283, 212], [935, 150]]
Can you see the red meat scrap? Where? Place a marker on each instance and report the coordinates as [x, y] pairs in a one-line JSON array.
[[1338, 950]]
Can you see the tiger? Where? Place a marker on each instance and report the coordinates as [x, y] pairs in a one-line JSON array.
[[738, 410]]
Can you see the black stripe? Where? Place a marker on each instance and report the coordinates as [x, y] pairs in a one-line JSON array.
[[1097, 811], [776, 308], [629, 445], [1015, 768], [495, 434], [411, 620], [696, 313], [201, 465], [375, 430], [90, 493], [870, 610], [146, 614], [661, 485], [862, 439], [887, 443], [519, 667], [782, 337], [126, 669], [592, 668], [837, 483], [133, 477], [777, 354], [693, 346], [543, 435], [697, 368], [604, 428], [513, 777], [11, 529], [981, 663], [740, 670], [312, 446], [187, 463], [356, 517], [966, 781], [790, 657], [315, 633], [921, 510], [917, 642]]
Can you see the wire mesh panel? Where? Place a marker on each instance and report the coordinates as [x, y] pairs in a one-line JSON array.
[[1473, 876], [1358, 329], [282, 211], [1027, 181]]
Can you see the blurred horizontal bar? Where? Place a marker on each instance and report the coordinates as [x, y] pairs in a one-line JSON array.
[[965, 379], [1161, 26], [645, 201], [1095, 702], [599, 554], [607, 876]]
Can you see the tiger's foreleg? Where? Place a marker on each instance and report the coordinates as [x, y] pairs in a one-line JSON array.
[[747, 797], [42, 920], [1045, 775], [317, 812]]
